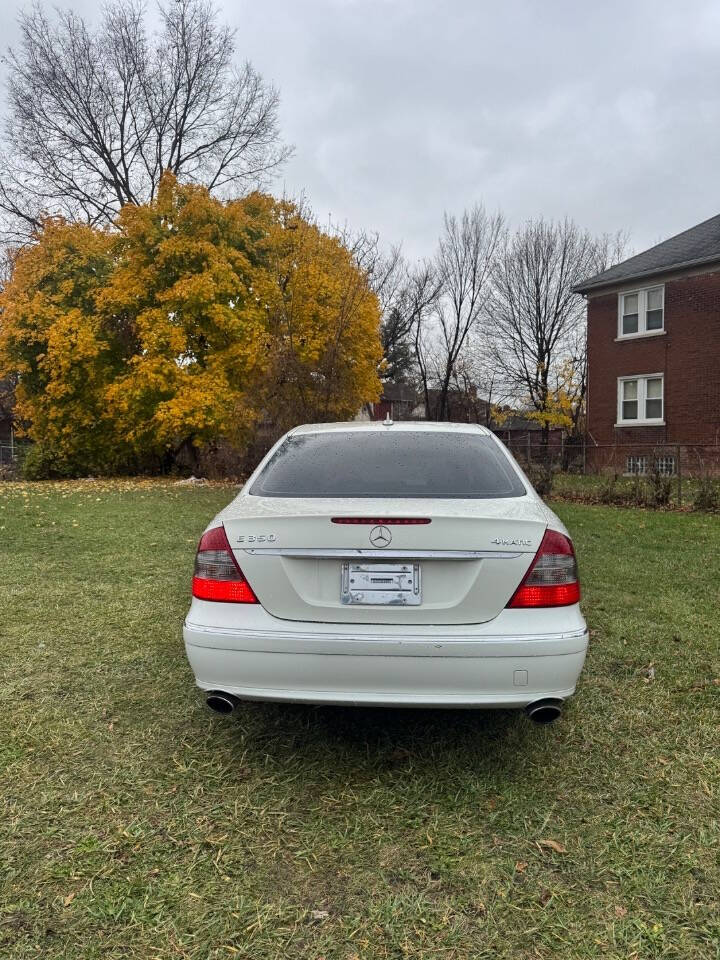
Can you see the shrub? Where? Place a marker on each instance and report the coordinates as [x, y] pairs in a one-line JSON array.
[[541, 477], [42, 463], [638, 494], [37, 464], [608, 491], [660, 487], [707, 494]]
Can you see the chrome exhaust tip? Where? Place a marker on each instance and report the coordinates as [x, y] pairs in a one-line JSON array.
[[220, 702], [544, 711]]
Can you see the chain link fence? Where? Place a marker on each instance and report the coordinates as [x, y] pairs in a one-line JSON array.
[[11, 458], [640, 473]]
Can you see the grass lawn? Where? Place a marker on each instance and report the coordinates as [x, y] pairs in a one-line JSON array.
[[135, 824]]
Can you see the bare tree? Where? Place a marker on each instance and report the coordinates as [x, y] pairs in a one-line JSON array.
[[463, 266], [535, 321], [388, 275], [97, 115], [609, 249], [405, 294], [477, 380]]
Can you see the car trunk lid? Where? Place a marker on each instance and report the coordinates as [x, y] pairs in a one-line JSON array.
[[461, 567]]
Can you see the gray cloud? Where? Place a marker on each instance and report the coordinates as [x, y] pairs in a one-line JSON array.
[[401, 109]]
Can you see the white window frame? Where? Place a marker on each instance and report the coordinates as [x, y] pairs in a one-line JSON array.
[[642, 421], [642, 295]]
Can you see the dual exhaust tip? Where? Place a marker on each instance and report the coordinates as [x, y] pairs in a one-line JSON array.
[[541, 711], [223, 703], [544, 711]]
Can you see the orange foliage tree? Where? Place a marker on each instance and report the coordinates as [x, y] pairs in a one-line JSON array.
[[189, 323], [55, 343]]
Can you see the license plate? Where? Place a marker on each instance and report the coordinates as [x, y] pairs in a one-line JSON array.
[[381, 584]]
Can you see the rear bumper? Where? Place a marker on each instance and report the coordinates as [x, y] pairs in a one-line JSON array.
[[387, 669]]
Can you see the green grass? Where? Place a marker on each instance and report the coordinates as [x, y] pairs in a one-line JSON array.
[[134, 824]]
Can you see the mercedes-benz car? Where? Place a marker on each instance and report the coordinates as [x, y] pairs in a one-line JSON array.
[[378, 563]]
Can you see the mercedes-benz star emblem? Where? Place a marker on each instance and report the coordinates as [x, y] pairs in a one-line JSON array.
[[380, 536]]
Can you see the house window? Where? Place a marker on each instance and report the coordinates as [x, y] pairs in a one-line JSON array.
[[640, 400], [641, 312], [630, 313], [636, 465], [665, 466]]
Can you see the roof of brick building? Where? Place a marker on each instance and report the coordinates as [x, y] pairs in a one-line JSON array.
[[694, 247]]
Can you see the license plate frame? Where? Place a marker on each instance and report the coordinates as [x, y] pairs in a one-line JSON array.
[[381, 584]]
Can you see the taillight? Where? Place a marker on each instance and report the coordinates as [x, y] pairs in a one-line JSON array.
[[217, 575], [552, 580]]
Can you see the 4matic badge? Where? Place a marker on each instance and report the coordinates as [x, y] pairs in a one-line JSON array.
[[514, 542]]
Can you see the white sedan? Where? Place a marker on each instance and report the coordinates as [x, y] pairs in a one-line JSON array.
[[399, 564]]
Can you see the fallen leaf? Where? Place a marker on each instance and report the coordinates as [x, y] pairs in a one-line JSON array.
[[552, 845], [69, 899], [663, 761], [620, 911], [520, 866]]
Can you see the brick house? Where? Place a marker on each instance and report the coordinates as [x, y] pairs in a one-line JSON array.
[[654, 351]]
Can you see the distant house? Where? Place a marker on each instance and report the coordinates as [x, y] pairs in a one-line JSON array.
[[399, 401], [654, 348], [404, 401]]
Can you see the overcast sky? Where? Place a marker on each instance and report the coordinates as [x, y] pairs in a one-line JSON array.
[[401, 109]]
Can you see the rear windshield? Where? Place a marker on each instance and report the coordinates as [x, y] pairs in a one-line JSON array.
[[400, 464]]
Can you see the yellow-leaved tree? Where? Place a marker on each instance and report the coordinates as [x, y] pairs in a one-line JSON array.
[[324, 322], [191, 322], [561, 407], [54, 341], [186, 280]]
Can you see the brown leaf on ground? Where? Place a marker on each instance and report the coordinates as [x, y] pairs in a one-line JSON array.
[[552, 845], [620, 911], [520, 866]]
